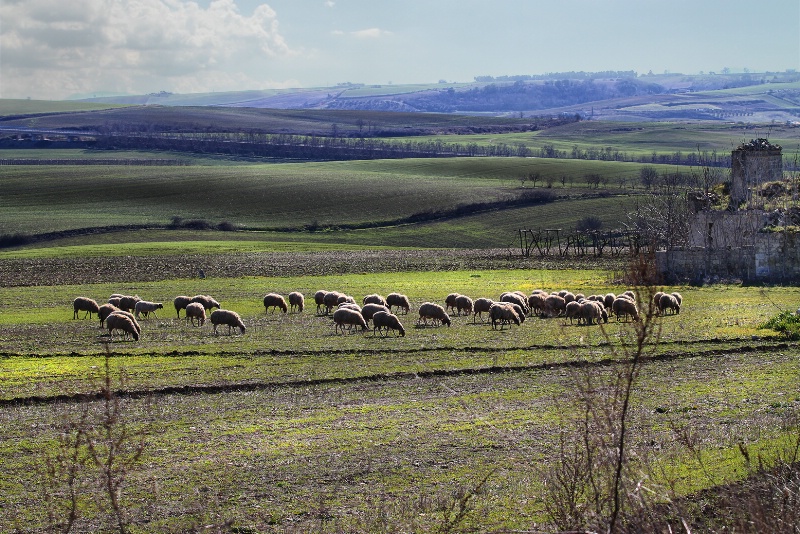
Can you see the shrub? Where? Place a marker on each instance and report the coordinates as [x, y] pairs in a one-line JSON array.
[[787, 323]]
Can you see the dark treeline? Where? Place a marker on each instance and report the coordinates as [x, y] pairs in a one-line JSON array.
[[87, 161]]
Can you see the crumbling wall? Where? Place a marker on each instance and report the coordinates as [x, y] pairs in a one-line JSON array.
[[753, 164]]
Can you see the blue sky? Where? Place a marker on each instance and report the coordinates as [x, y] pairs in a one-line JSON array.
[[53, 49]]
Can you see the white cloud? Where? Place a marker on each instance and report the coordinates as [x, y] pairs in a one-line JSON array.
[[53, 48], [369, 33], [330, 3]]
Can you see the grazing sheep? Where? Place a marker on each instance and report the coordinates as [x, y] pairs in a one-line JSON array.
[[119, 321], [386, 320], [227, 317], [398, 300], [569, 297], [657, 300], [345, 298], [130, 316], [430, 310], [591, 311], [115, 301], [319, 299], [128, 303], [669, 302], [537, 302], [450, 301], [371, 309], [296, 300], [516, 298], [146, 307], [630, 294], [207, 302], [608, 300], [572, 310], [623, 306], [346, 316], [517, 308], [465, 303], [503, 313], [349, 306], [330, 300], [374, 299], [554, 305], [195, 310], [180, 303], [84, 304], [115, 295], [104, 311], [678, 297], [480, 306], [273, 300]]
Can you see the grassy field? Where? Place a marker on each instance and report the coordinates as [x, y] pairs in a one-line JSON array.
[[281, 201], [292, 427]]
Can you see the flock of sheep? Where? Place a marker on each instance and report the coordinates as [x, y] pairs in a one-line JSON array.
[[122, 312]]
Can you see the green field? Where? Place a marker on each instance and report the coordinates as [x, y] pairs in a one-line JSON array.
[[264, 430]]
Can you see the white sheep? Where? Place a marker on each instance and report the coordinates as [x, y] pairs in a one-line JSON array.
[[369, 309], [450, 301], [349, 306], [537, 302], [572, 310], [207, 301], [130, 316], [180, 303], [227, 317], [669, 302], [346, 316], [345, 298], [296, 300], [430, 310], [623, 306], [146, 307], [319, 299], [591, 311], [386, 320], [84, 304], [678, 297], [504, 314], [195, 310], [127, 302], [118, 321], [330, 300], [274, 300], [374, 298], [399, 301], [464, 303], [657, 300], [479, 307], [608, 300], [554, 305], [517, 298], [104, 311]]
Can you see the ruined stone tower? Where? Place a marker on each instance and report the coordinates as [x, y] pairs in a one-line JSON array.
[[753, 164]]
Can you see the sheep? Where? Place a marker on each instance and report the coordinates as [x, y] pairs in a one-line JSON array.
[[657, 300], [227, 317], [479, 306], [130, 316], [398, 300], [629, 294], [386, 320], [330, 300], [669, 302], [371, 309], [608, 300], [623, 307], [374, 299], [537, 302], [180, 303], [146, 307], [554, 305], [572, 310], [104, 311], [207, 302], [516, 298], [319, 299], [430, 310], [346, 316], [345, 298], [678, 297], [128, 303], [296, 300], [273, 300], [518, 309], [84, 304], [465, 303], [118, 321], [115, 301], [195, 310], [349, 306], [450, 301], [115, 295], [503, 313], [569, 297], [593, 311]]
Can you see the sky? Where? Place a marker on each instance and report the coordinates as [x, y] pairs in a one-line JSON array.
[[58, 49]]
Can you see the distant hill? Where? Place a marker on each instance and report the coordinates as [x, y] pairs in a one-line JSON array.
[[749, 97]]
